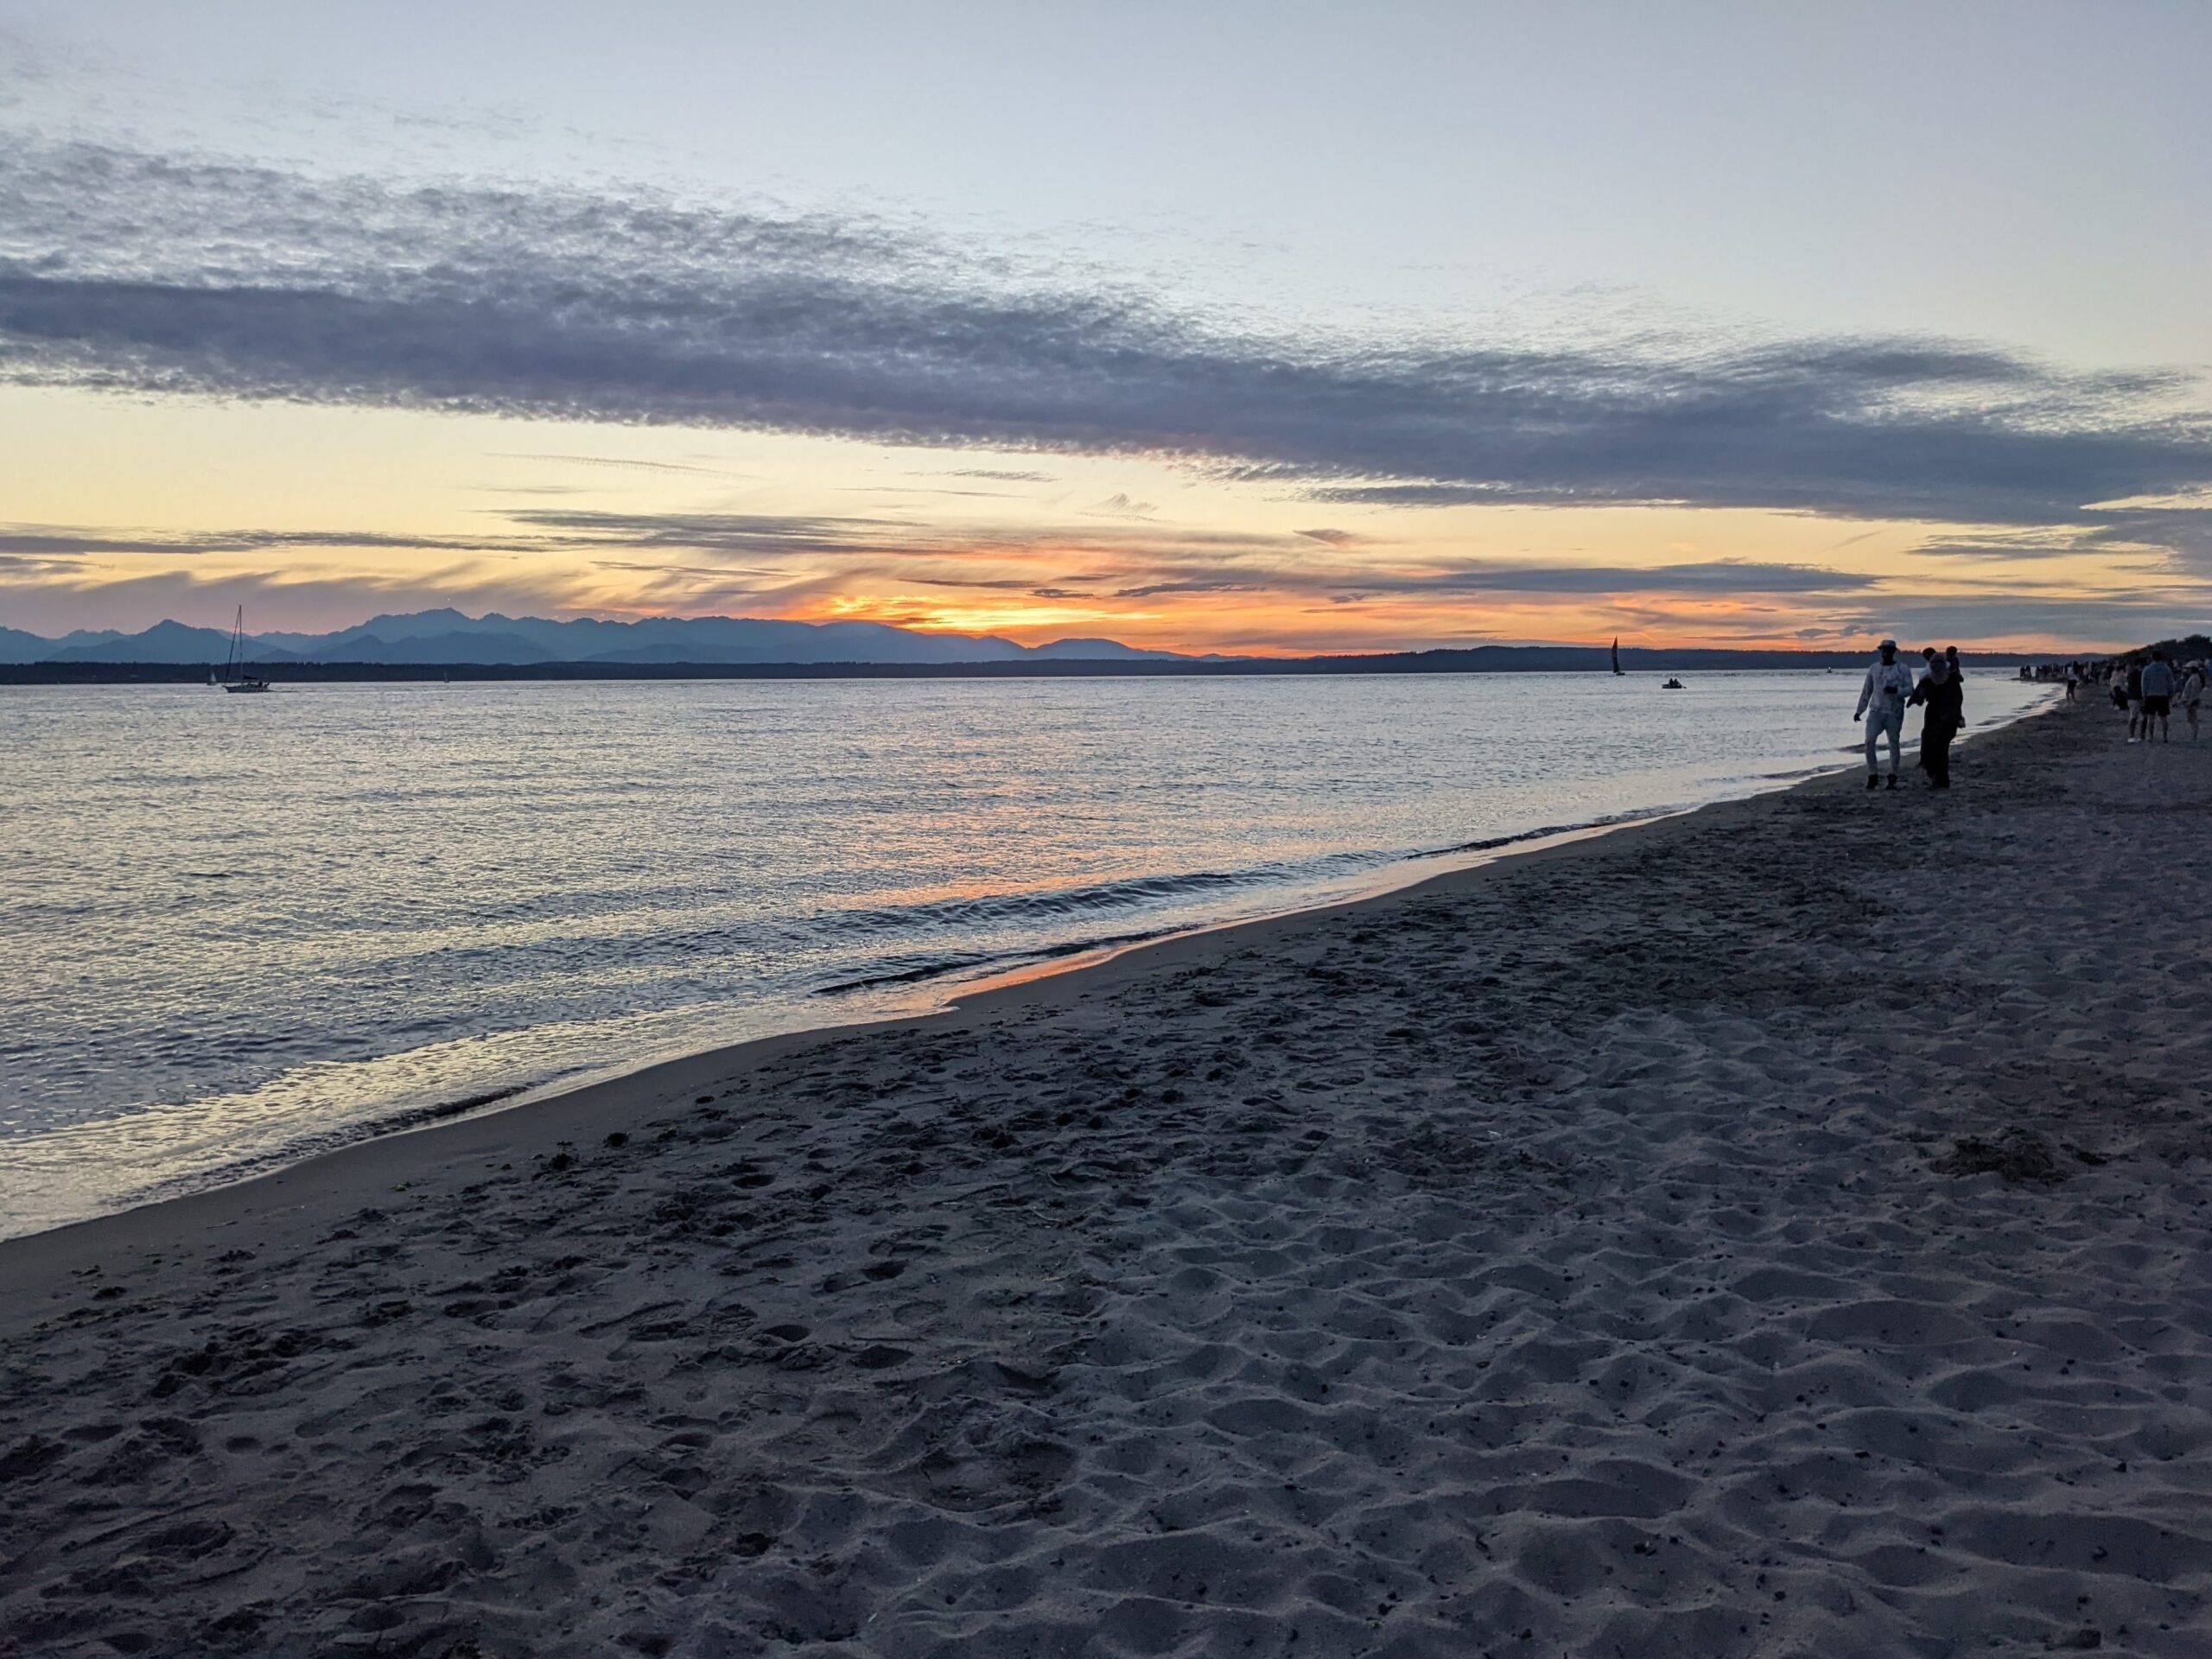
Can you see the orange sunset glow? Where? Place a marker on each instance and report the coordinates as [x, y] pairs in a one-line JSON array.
[[321, 517]]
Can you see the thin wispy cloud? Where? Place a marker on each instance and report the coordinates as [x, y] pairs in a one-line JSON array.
[[752, 534], [1119, 505], [1974, 616], [2175, 539], [623, 463], [68, 542], [925, 490], [1717, 576], [782, 554], [166, 275], [1193, 585]]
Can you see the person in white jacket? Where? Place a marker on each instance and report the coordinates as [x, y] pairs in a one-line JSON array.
[[1881, 703]]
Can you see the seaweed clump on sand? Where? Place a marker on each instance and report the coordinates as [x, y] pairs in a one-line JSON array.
[[2020, 1156]]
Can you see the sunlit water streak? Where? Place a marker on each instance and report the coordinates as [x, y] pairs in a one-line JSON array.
[[240, 930]]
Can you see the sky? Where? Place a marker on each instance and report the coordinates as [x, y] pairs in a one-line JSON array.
[[1265, 328]]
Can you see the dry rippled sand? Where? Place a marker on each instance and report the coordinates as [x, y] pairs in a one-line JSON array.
[[1773, 1232]]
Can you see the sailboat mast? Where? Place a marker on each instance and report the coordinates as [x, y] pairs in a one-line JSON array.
[[238, 628]]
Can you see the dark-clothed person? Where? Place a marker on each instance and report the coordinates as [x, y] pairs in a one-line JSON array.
[[1943, 695]]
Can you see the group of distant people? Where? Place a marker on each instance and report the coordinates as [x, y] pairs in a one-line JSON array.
[[1889, 689], [2146, 690], [2149, 691]]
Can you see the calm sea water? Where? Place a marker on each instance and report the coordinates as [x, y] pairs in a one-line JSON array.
[[239, 930]]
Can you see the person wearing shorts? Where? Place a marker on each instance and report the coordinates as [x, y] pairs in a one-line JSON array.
[[2157, 695]]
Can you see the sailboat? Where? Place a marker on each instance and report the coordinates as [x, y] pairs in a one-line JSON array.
[[247, 679], [1616, 653]]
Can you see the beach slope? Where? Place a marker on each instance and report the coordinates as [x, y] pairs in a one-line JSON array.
[[1778, 1230]]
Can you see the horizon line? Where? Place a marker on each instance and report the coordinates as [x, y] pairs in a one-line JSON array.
[[2011, 652]]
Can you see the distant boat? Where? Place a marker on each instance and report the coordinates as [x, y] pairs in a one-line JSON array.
[[1670, 684], [247, 679], [1616, 653]]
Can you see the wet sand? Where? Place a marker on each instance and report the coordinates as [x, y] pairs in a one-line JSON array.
[[1777, 1231]]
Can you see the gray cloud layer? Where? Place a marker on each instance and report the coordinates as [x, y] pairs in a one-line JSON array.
[[133, 272]]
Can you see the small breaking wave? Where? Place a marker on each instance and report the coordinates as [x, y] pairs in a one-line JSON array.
[[1004, 910]]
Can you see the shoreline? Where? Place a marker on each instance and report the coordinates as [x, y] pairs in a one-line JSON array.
[[1775, 1231], [1386, 882], [1396, 877]]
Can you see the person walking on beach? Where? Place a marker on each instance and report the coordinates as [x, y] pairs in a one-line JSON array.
[[1882, 699], [1932, 664], [2131, 693], [2157, 684], [2192, 695], [1943, 696]]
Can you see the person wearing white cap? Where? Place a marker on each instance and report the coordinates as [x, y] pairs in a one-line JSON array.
[[1881, 703]]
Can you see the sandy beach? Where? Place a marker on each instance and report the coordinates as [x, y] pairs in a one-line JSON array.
[[1777, 1231]]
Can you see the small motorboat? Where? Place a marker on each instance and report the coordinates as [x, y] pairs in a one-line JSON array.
[[1670, 684]]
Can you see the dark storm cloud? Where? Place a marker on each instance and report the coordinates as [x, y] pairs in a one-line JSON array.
[[137, 272]]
